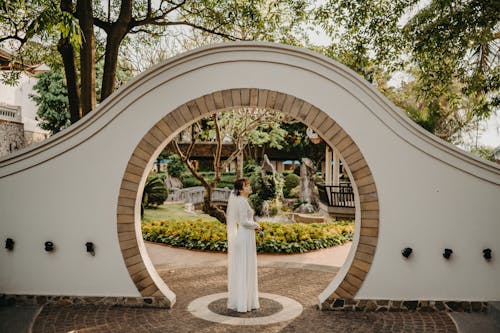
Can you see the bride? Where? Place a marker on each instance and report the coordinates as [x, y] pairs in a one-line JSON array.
[[242, 256]]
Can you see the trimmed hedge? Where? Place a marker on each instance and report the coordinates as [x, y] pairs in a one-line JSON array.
[[227, 179], [278, 237]]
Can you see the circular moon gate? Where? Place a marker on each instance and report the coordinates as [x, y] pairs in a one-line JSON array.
[[141, 270], [395, 166]]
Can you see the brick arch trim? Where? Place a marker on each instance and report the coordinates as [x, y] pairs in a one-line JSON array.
[[143, 274]]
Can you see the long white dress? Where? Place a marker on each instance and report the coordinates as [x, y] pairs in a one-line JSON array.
[[243, 292]]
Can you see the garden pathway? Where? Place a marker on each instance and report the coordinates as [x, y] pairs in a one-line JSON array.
[[164, 257]]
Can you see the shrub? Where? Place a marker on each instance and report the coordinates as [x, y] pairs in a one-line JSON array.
[[291, 181], [277, 237], [256, 202], [175, 166], [227, 179], [294, 192], [155, 191], [249, 166]]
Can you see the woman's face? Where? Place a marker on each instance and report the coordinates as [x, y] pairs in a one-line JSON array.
[[247, 190]]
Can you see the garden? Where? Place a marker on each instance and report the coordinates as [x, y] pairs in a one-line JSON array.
[[172, 225]]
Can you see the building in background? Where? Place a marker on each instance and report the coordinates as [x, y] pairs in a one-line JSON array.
[[18, 125]]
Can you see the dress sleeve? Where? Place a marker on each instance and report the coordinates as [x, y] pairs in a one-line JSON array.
[[244, 217]]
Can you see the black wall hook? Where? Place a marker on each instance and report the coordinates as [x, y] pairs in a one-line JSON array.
[[90, 248], [9, 244], [407, 252], [49, 246], [447, 253], [487, 254]]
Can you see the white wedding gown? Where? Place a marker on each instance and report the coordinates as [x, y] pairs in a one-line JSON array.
[[242, 256]]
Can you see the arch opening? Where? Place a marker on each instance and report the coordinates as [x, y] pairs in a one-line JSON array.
[[347, 281]]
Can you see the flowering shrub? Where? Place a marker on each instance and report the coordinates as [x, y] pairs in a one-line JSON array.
[[276, 237]]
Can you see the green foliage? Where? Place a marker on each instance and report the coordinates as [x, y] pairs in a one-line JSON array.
[[227, 179], [249, 166], [155, 192], [52, 101], [463, 35], [296, 141], [291, 181], [261, 190], [175, 166], [197, 233], [450, 49], [256, 202], [484, 152], [295, 193]]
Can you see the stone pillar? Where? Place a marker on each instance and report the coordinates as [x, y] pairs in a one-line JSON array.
[[280, 167], [328, 166], [336, 169]]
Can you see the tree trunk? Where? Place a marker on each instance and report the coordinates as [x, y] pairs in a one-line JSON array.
[[210, 209], [69, 61], [239, 163], [87, 56], [116, 33], [110, 63]]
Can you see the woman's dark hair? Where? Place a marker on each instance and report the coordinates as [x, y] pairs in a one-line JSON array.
[[238, 185]]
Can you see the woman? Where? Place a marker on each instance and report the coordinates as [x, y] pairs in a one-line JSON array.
[[242, 255]]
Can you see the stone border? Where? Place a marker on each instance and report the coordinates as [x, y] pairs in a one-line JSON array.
[[143, 274], [397, 306], [291, 309], [155, 302]]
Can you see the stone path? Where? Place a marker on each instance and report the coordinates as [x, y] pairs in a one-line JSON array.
[[300, 283]]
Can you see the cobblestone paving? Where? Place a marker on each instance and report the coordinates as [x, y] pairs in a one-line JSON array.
[[191, 283]]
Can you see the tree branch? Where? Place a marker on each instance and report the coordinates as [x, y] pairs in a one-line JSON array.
[[190, 165], [157, 22], [106, 26]]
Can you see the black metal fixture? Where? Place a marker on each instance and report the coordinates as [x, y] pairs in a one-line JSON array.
[[49, 246], [487, 254], [407, 252], [9, 244], [447, 253], [90, 248]]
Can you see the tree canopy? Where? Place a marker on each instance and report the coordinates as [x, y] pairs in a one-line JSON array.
[[447, 48]]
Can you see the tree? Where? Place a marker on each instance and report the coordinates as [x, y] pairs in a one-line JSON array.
[[449, 47], [242, 126], [52, 101], [76, 29]]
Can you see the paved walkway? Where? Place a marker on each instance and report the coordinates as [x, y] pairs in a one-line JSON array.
[[193, 275]]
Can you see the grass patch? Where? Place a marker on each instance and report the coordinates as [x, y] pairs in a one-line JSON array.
[[172, 212]]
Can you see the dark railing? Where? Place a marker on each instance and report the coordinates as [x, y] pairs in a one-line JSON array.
[[336, 196]]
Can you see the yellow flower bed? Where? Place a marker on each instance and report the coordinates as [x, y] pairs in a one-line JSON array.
[[274, 238]]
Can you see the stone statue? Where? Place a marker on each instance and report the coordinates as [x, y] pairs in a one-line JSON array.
[[307, 171], [268, 170]]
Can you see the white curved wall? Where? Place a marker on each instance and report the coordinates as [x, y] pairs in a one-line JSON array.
[[431, 195]]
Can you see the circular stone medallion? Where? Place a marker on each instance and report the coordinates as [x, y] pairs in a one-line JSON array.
[[268, 307], [274, 309]]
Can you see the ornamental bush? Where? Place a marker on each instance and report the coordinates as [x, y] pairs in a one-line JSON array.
[[155, 192], [175, 166], [277, 237], [291, 181]]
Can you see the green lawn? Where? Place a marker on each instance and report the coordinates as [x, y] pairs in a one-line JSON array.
[[172, 212]]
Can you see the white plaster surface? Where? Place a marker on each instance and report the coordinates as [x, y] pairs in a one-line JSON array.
[[431, 194]]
